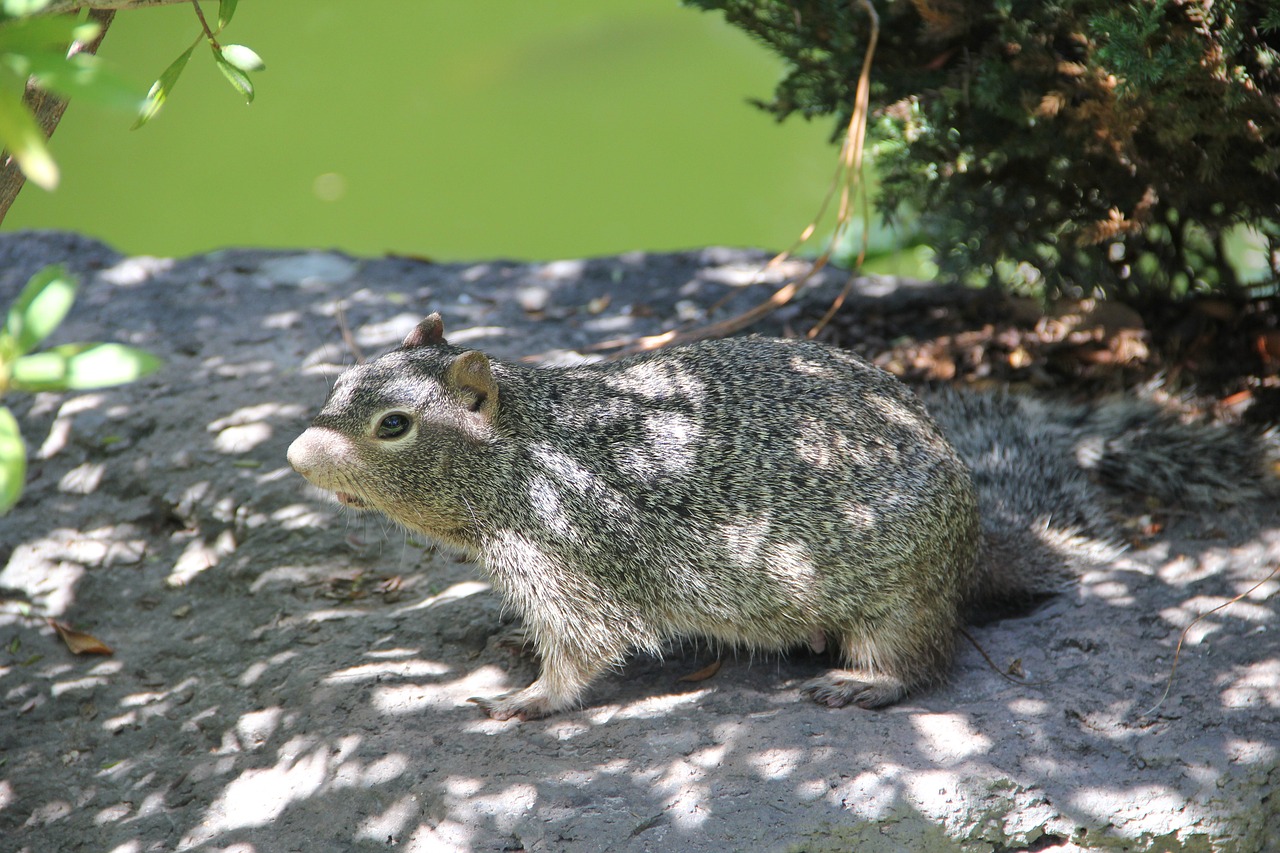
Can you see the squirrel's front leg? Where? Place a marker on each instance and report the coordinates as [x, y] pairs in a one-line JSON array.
[[566, 672]]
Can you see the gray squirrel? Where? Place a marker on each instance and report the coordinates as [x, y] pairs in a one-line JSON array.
[[756, 492]]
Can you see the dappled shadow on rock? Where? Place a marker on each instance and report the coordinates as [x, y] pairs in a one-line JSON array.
[[288, 675]]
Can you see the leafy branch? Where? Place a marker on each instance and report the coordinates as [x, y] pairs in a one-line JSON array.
[[48, 55], [235, 61], [38, 310]]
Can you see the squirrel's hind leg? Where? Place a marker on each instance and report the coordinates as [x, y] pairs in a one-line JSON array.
[[877, 673], [566, 673]]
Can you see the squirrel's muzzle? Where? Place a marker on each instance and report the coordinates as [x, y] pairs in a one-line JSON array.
[[319, 454]]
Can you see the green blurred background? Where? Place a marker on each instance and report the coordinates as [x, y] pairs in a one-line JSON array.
[[452, 130]]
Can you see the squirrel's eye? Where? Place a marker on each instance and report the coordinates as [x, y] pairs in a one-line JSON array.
[[393, 425]]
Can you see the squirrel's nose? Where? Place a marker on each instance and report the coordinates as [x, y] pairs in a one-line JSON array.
[[319, 452], [301, 453]]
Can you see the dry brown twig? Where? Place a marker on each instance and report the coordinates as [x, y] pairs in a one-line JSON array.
[[1177, 652], [851, 158], [344, 328], [848, 178]]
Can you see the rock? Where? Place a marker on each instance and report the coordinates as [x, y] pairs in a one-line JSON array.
[[273, 685]]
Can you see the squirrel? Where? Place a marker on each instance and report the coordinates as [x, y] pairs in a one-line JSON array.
[[756, 492]]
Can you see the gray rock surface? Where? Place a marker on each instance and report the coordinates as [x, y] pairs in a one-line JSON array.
[[288, 676]]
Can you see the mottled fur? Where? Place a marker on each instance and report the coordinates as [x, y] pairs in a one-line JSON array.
[[1048, 474], [761, 493]]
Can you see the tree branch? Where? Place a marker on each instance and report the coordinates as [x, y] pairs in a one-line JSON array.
[[48, 109], [62, 7]]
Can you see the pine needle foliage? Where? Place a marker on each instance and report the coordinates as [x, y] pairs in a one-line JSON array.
[[1073, 146]]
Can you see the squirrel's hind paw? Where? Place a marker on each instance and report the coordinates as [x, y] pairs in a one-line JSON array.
[[849, 687], [502, 708], [522, 705]]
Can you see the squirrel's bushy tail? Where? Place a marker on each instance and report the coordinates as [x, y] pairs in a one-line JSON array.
[[1048, 475]]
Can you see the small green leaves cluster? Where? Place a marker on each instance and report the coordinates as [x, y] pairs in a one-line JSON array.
[[35, 47], [235, 61], [38, 310]]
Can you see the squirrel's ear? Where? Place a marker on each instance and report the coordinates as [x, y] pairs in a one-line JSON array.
[[427, 333], [469, 373]]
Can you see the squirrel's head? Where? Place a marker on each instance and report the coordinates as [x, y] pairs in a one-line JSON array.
[[394, 432]]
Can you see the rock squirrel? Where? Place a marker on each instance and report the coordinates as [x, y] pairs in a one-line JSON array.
[[756, 492]]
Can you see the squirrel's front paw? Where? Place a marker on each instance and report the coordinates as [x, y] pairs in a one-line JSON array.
[[516, 704]]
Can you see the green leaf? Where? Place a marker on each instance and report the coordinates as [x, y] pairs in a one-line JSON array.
[[43, 371], [77, 367], [226, 9], [18, 8], [83, 75], [239, 80], [20, 134], [244, 58], [52, 31], [161, 88], [38, 310], [13, 460]]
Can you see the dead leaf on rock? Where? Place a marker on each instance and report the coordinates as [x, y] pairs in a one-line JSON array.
[[79, 642], [361, 585], [703, 674], [391, 589]]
